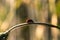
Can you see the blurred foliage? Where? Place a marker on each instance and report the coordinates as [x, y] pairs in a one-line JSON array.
[[18, 3], [21, 11], [58, 8], [4, 9], [3, 13], [39, 6]]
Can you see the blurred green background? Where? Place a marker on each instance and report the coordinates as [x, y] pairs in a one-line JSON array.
[[17, 11]]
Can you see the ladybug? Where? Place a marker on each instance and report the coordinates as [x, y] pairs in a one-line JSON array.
[[29, 21]]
